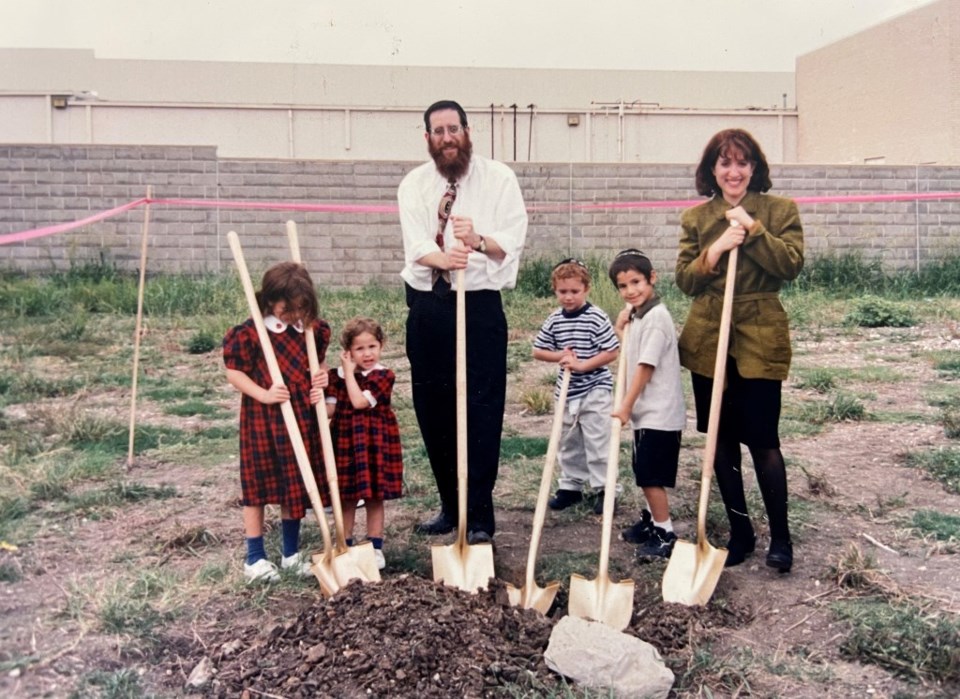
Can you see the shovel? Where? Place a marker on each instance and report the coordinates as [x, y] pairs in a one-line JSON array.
[[361, 554], [694, 569], [333, 571], [461, 565], [602, 599], [531, 596]]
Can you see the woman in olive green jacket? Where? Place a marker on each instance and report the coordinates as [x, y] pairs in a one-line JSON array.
[[734, 172]]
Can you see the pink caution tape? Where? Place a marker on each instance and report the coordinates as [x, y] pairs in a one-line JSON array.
[[69, 226], [392, 208]]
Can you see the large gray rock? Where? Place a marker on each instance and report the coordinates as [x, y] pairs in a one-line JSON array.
[[597, 656]]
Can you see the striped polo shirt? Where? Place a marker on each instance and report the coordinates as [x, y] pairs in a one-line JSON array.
[[588, 332]]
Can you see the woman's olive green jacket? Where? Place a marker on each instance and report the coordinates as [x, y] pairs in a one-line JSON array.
[[771, 253]]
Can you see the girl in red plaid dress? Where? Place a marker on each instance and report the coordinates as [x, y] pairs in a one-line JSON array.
[[365, 430], [269, 474]]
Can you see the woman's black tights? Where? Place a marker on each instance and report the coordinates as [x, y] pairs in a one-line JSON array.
[[772, 479]]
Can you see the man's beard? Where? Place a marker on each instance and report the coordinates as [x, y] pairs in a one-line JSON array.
[[456, 168]]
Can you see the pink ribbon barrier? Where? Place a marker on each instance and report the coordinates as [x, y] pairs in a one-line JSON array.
[[70, 225], [392, 208]]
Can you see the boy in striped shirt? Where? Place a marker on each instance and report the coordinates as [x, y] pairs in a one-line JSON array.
[[580, 336]]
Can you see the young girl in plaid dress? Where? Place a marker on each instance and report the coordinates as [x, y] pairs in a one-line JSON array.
[[269, 474], [365, 430]]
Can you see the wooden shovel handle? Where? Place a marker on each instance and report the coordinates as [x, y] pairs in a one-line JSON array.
[[540, 512], [613, 460], [461, 383], [289, 418], [716, 396], [326, 440]]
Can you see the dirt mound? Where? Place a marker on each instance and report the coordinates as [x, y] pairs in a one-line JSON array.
[[402, 637], [409, 636]]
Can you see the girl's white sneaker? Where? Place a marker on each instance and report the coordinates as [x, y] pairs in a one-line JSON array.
[[261, 571], [299, 563], [378, 557]]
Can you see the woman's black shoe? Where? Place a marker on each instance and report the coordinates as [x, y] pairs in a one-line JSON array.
[[738, 550], [780, 555]]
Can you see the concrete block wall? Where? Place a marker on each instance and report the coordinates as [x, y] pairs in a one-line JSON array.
[[43, 185]]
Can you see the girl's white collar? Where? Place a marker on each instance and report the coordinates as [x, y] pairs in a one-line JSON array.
[[375, 367], [276, 325]]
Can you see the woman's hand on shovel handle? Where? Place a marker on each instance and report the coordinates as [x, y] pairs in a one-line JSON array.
[[738, 215], [731, 238]]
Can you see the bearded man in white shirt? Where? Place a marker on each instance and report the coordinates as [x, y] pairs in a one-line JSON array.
[[459, 211]]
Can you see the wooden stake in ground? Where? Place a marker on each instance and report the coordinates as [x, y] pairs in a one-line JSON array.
[[362, 553], [136, 333]]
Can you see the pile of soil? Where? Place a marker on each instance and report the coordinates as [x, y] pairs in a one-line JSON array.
[[402, 637], [408, 636]]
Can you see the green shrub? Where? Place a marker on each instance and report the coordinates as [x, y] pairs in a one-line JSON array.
[[875, 312], [202, 341]]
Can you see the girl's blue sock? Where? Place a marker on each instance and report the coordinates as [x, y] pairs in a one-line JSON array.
[[377, 541], [255, 550], [349, 541], [291, 536]]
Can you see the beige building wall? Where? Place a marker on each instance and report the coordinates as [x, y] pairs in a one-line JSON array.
[[889, 94], [255, 110]]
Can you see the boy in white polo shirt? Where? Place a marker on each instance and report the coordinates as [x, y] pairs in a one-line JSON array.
[[653, 402]]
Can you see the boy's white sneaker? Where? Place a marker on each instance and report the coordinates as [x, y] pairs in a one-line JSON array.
[[299, 563], [263, 571], [378, 557]]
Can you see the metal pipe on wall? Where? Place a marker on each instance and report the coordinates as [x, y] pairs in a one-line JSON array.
[[491, 130], [514, 108], [530, 133]]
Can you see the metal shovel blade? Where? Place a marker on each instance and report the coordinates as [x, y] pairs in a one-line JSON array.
[[533, 596], [693, 572], [364, 560], [602, 600], [464, 566]]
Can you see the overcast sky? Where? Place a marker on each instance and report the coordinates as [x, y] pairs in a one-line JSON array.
[[750, 35]]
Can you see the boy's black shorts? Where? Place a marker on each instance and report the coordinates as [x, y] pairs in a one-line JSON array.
[[656, 455]]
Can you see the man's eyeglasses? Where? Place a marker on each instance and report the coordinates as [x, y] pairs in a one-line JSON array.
[[452, 130]]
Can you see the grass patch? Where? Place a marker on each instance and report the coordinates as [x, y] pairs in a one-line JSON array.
[[538, 400], [939, 525], [947, 363], [119, 684], [118, 494], [941, 464], [820, 380], [193, 407], [841, 407], [901, 636]]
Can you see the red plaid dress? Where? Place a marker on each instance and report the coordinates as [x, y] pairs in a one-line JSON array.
[[269, 474], [367, 441]]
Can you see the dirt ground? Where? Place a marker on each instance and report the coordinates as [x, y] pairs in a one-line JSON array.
[[763, 634]]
